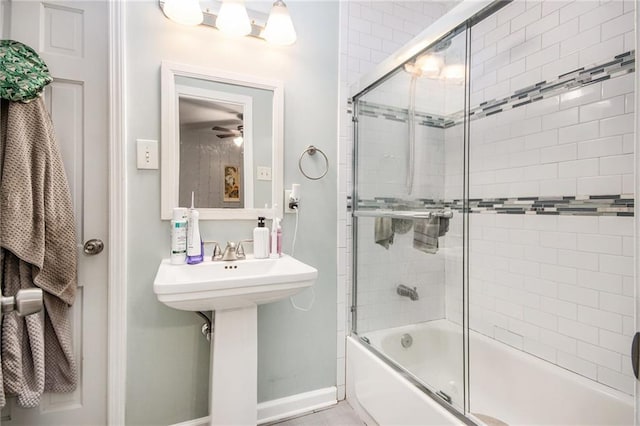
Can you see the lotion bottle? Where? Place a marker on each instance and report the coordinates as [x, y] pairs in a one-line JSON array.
[[260, 240], [179, 236], [194, 242]]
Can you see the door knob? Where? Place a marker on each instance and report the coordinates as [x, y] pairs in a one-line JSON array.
[[93, 246]]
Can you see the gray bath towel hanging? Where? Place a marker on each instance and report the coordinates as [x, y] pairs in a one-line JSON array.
[[39, 248], [383, 231], [427, 231]]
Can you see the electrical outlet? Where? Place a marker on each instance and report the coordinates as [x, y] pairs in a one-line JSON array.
[[287, 193], [264, 173], [147, 157]]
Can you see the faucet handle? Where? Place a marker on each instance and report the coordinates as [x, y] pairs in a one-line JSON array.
[[240, 254], [217, 252]]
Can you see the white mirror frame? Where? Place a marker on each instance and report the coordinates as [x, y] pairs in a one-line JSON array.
[[170, 146]]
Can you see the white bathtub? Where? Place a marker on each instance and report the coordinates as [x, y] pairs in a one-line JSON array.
[[505, 384]]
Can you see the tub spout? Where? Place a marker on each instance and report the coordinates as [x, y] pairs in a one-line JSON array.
[[411, 293]]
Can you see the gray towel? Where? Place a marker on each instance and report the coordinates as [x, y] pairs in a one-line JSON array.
[[38, 245], [444, 226], [383, 231], [427, 231], [401, 226]]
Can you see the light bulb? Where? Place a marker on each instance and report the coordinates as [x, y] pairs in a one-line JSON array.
[[279, 28], [429, 65], [233, 19], [186, 12], [238, 140], [453, 72]]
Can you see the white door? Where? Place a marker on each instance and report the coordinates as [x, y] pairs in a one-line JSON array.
[[72, 38]]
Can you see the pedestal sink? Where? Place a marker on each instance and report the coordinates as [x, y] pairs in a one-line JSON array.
[[233, 290]]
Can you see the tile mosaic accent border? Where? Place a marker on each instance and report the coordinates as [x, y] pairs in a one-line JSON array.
[[620, 65], [373, 110], [589, 205]]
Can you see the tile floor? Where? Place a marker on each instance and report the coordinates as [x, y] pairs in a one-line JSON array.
[[340, 414]]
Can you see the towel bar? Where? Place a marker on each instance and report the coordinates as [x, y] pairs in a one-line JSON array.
[[398, 214]]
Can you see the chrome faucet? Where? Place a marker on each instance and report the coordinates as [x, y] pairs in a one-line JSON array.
[[233, 251], [411, 293]]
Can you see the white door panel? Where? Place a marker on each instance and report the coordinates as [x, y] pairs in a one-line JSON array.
[[71, 37]]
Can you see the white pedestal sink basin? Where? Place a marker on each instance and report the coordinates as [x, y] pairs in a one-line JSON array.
[[233, 290]]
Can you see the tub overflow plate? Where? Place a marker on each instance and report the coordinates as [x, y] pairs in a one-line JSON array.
[[406, 340]]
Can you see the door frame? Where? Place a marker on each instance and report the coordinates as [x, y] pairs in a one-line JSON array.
[[117, 240]]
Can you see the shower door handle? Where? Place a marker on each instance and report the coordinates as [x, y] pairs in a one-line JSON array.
[[635, 353]]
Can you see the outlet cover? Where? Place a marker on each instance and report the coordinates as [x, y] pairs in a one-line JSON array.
[[287, 193], [147, 157], [264, 173]]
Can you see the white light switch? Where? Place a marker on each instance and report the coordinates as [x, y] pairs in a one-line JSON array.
[[264, 173], [147, 154]]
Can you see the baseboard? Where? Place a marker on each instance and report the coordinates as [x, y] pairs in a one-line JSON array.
[[294, 405], [290, 406]]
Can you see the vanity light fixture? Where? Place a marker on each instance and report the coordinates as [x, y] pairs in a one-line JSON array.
[[186, 12], [233, 18], [279, 29]]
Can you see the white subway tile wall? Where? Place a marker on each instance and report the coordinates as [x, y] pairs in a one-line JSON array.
[[382, 166], [553, 286], [554, 281]]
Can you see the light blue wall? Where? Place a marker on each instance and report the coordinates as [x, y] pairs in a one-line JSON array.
[[167, 363]]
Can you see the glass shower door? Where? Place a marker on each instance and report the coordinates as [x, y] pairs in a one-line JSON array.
[[551, 170], [408, 218]]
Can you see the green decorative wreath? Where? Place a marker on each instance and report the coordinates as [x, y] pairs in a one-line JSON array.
[[23, 74]]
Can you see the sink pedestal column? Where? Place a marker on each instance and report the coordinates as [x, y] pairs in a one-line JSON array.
[[233, 398]]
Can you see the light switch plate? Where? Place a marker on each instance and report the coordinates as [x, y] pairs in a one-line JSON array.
[[147, 154], [264, 173]]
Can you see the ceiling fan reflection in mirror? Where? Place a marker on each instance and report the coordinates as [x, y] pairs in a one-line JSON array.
[[224, 119], [229, 132]]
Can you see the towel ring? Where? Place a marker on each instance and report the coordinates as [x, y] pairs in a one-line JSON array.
[[311, 150]]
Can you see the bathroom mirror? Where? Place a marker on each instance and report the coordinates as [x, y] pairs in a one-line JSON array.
[[221, 140]]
